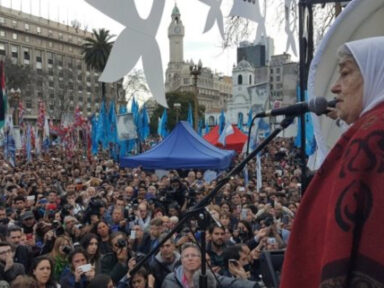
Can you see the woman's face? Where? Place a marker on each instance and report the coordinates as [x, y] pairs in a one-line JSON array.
[[102, 229], [78, 260], [92, 246], [138, 281], [349, 90], [42, 272]]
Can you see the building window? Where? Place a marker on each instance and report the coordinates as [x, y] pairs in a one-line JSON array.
[[2, 20], [250, 79], [50, 59], [14, 36], [51, 84], [26, 26], [2, 33], [39, 60], [38, 29], [26, 38], [2, 49], [50, 44], [277, 70], [28, 104], [14, 54], [278, 78], [240, 79], [14, 22], [80, 77], [27, 56]]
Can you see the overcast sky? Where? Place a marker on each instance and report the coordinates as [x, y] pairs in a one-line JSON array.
[[193, 14]]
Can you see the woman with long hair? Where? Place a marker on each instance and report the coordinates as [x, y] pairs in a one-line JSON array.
[[90, 244], [78, 274], [42, 272], [102, 230], [59, 254]]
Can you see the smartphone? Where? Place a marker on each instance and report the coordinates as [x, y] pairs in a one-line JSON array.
[[133, 234], [244, 214], [85, 268], [271, 240]]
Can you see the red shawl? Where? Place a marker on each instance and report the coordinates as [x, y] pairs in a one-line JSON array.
[[337, 239]]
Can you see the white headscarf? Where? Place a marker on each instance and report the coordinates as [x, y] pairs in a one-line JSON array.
[[369, 56]]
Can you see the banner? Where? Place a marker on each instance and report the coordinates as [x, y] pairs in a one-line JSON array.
[[126, 128]]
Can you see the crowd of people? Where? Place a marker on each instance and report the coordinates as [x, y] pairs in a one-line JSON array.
[[79, 222]]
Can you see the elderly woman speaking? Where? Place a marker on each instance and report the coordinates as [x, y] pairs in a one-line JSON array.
[[338, 234]]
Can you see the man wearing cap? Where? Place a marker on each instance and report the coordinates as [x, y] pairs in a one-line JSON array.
[[27, 223]]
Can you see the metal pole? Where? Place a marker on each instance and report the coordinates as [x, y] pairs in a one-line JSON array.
[[302, 73]]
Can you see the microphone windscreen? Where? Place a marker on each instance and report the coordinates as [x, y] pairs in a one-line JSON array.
[[318, 105]]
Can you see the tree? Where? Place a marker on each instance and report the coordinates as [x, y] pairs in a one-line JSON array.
[[18, 76], [238, 29], [184, 98], [96, 51], [135, 84]]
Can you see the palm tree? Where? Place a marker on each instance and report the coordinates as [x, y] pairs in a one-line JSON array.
[[96, 51]]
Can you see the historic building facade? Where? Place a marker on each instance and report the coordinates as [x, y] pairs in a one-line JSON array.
[[214, 90], [53, 51]]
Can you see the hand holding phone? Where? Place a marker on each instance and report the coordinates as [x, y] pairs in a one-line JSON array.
[[85, 268]]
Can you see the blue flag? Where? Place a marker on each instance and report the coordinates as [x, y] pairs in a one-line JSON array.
[[249, 122], [102, 126], [112, 131], [28, 145], [221, 121], [240, 122], [190, 117], [10, 148], [310, 141], [200, 128], [93, 137], [162, 128], [145, 123]]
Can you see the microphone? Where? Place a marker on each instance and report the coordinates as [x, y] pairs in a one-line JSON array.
[[318, 105]]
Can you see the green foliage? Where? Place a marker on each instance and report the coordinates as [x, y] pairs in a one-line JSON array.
[[184, 98], [96, 51], [18, 76]]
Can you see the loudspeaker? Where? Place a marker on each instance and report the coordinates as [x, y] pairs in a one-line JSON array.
[[271, 263]]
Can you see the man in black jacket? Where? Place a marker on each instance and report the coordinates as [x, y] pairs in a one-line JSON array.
[[9, 270], [115, 264], [165, 261], [22, 254]]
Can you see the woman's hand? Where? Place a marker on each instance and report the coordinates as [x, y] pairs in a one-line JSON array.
[[90, 274], [151, 281], [78, 273], [237, 270]]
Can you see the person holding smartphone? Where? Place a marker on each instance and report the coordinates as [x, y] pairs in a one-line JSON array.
[[80, 272]]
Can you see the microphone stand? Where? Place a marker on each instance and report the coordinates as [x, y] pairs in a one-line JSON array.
[[198, 211]]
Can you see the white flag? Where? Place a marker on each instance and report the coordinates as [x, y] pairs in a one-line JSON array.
[[228, 130]]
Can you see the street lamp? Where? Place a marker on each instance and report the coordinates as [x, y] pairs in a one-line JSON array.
[[15, 98], [195, 72], [177, 107]]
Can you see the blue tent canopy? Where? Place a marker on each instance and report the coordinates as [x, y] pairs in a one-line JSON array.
[[182, 149]]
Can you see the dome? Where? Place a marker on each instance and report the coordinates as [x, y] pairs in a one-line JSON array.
[[175, 11]]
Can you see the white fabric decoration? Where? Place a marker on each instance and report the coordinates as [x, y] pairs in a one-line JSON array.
[[290, 28], [135, 41], [214, 15]]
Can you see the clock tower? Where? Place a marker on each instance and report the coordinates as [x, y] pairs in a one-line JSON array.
[[176, 35]]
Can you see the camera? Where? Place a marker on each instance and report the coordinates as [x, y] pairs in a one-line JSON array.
[[121, 243], [66, 249]]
